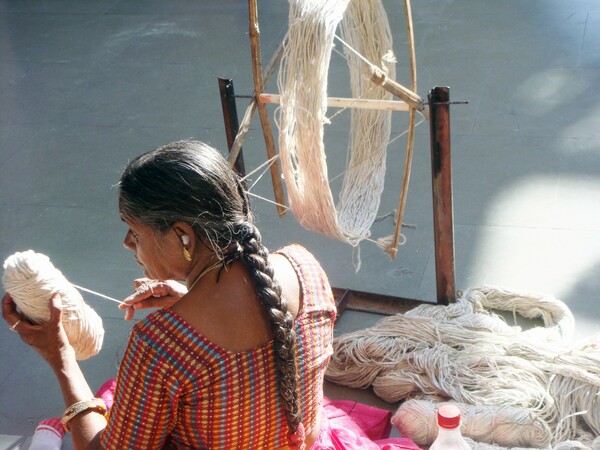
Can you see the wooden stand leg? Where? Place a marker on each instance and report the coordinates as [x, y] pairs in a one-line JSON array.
[[230, 118], [441, 175]]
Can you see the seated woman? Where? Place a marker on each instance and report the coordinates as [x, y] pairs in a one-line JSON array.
[[237, 359]]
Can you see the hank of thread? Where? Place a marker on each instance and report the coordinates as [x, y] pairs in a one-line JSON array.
[[302, 83], [500, 425], [31, 279]]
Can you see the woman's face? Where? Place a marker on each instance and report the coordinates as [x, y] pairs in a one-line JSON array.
[[159, 254]]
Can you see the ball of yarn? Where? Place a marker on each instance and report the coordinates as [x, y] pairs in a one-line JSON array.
[[501, 425], [31, 280]]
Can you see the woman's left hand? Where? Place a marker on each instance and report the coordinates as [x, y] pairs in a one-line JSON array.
[[152, 294], [48, 339]]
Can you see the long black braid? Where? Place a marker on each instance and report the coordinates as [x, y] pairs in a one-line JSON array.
[[255, 256]]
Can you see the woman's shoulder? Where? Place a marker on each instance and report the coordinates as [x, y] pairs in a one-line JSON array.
[[301, 259], [163, 324], [158, 325], [174, 337], [296, 251], [314, 286]]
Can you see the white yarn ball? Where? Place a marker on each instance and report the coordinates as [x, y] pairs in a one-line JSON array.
[[500, 425], [31, 280]]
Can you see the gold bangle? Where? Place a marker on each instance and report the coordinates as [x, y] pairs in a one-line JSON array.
[[95, 404]]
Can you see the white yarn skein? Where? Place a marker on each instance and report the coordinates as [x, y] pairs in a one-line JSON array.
[[31, 279], [301, 118], [467, 353], [500, 425]]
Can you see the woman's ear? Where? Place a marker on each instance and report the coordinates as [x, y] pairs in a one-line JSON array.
[[186, 235]]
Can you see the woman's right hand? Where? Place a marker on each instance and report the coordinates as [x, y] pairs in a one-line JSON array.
[[152, 294], [48, 339]]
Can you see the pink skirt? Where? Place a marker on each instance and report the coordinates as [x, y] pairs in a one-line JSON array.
[[345, 425], [348, 425]]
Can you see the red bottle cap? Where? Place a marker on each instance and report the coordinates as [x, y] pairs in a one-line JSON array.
[[448, 416]]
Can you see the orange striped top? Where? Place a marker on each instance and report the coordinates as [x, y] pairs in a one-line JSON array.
[[176, 389]]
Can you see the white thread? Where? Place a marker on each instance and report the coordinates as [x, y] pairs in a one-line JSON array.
[[303, 87], [32, 280], [467, 353], [264, 166], [285, 208], [98, 294]]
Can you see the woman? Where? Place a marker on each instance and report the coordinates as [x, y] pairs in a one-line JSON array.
[[237, 359], [201, 373]]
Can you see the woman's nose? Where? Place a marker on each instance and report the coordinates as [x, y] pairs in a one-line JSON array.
[[128, 242]]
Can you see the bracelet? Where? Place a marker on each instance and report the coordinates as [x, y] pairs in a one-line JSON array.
[[95, 404]]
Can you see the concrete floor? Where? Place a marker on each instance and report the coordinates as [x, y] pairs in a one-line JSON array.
[[85, 86]]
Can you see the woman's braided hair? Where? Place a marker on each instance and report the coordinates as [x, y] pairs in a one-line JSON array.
[[191, 182]]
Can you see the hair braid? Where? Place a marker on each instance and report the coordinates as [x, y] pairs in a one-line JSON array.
[[282, 323]]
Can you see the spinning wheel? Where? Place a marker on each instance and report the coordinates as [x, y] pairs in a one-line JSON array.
[[305, 55], [363, 25]]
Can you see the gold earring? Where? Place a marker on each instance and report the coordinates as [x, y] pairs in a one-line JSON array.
[[186, 254]]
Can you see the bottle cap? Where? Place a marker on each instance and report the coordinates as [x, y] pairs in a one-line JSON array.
[[448, 416]]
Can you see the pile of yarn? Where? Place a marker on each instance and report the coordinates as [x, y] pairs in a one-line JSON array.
[[518, 386]]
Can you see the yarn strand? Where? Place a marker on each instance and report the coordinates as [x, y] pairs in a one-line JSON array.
[[98, 294], [303, 86]]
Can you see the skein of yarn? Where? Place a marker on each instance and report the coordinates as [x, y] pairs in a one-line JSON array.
[[468, 353], [302, 82], [500, 425], [31, 279]]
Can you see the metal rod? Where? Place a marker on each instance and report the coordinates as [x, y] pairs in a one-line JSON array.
[[401, 105], [452, 103], [348, 299], [230, 117], [441, 178]]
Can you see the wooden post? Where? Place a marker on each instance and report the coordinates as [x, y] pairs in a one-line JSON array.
[[230, 118], [441, 176], [257, 76], [395, 88], [393, 249], [245, 125]]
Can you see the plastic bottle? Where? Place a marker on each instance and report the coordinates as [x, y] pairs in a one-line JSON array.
[[449, 436]]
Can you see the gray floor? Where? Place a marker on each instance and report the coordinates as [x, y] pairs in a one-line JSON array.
[[84, 86]]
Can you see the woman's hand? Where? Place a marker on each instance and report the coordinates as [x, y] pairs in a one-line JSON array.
[[49, 339], [152, 294]]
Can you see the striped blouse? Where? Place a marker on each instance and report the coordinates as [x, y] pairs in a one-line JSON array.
[[177, 389]]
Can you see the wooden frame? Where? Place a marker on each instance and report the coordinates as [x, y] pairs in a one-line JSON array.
[[438, 112], [443, 220]]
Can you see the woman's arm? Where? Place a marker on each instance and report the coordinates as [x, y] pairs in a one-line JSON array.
[[50, 341], [87, 426]]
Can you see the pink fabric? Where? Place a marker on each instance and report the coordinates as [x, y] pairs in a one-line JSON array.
[[107, 392], [347, 425]]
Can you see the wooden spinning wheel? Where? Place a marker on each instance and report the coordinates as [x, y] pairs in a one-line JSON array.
[[436, 110]]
